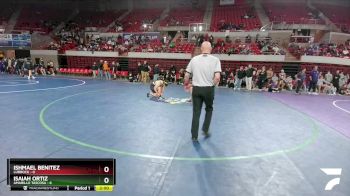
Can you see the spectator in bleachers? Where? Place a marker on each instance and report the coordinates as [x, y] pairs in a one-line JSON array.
[[2, 66], [322, 49], [100, 69], [50, 68], [162, 73], [139, 72], [231, 80], [249, 77], [211, 40], [342, 79], [18, 67], [345, 90], [275, 78], [114, 70], [269, 73], [172, 77], [323, 85], [223, 79], [300, 77], [119, 68], [30, 67], [94, 68], [41, 68], [172, 69], [314, 75], [272, 86], [336, 79], [262, 77], [167, 75], [241, 73], [156, 72], [106, 70], [282, 80], [144, 69], [289, 83], [328, 77], [181, 76], [282, 75], [147, 69]]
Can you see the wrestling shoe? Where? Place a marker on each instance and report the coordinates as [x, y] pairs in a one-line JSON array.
[[206, 134], [194, 139], [147, 94]]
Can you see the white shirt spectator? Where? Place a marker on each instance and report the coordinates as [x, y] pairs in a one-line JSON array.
[[341, 79], [321, 81], [274, 79], [329, 77]]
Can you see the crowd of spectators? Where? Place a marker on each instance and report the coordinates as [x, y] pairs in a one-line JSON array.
[[144, 73], [117, 27], [230, 26], [245, 46], [71, 39], [329, 83], [68, 37], [244, 77], [322, 49], [145, 43], [251, 78], [267, 79], [21, 67]]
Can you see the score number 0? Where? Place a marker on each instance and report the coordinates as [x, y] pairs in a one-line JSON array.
[[106, 170]]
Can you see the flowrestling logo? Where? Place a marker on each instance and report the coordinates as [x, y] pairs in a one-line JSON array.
[[332, 172]]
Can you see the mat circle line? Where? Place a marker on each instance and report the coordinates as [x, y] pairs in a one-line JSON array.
[[82, 82], [340, 108], [30, 83], [299, 147]]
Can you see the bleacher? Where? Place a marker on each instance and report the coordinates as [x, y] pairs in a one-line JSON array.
[[97, 18], [5, 14], [290, 12], [339, 15], [134, 21], [234, 14], [40, 18], [183, 16], [237, 48]]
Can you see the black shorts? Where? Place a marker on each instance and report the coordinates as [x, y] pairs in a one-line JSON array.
[[152, 88]]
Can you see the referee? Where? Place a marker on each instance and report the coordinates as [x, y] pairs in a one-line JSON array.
[[205, 70]]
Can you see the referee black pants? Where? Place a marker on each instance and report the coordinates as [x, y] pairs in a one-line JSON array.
[[200, 95]]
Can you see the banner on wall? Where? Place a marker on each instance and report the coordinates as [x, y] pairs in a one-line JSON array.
[[227, 2], [15, 40], [142, 35]]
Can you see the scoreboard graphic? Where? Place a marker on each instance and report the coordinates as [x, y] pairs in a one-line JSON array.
[[61, 174]]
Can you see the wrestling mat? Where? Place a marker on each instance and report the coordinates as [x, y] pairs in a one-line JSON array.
[[171, 100]]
